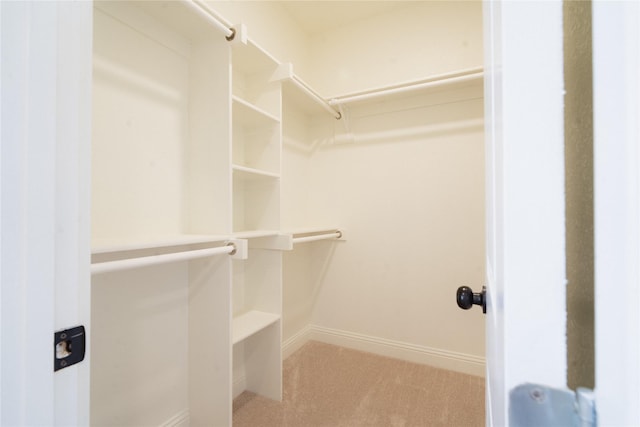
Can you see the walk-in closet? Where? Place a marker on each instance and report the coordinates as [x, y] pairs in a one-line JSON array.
[[267, 174]]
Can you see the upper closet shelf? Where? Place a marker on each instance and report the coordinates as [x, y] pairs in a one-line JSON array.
[[300, 95], [211, 18], [447, 80], [249, 57], [192, 19]]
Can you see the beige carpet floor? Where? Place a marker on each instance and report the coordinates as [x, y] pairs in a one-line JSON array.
[[326, 385]]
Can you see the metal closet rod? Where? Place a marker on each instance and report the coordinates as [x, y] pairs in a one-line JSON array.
[[441, 80], [303, 87], [335, 235], [211, 17], [130, 263]]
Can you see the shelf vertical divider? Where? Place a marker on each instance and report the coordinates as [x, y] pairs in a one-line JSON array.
[[208, 203], [209, 157]]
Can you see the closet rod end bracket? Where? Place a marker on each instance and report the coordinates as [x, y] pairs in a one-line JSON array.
[[241, 248], [238, 35]]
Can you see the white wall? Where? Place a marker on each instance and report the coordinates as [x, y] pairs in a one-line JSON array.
[[298, 279], [416, 41], [143, 315], [413, 208], [412, 202]]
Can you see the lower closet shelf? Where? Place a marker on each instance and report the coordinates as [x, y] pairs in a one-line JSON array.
[[251, 322]]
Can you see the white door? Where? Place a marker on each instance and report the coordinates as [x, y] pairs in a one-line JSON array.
[[616, 94], [525, 199], [44, 208]]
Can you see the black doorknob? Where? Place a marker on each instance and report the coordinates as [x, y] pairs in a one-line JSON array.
[[466, 298]]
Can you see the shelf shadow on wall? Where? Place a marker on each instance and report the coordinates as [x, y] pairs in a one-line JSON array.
[[307, 282]]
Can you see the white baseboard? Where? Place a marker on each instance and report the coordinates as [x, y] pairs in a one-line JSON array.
[[291, 345], [444, 359], [459, 362], [181, 419]]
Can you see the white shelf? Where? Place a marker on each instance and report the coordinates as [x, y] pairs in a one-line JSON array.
[[253, 86], [295, 98], [249, 115], [299, 96], [249, 174], [254, 234], [250, 58], [256, 139], [174, 15], [310, 230], [250, 323]]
